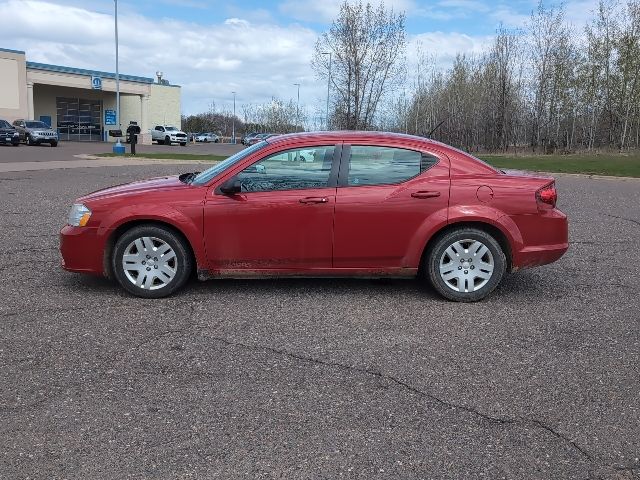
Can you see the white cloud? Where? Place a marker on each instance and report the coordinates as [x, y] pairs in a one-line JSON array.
[[209, 61], [325, 11], [257, 60]]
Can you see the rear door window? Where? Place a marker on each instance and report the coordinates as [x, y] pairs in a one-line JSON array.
[[372, 165]]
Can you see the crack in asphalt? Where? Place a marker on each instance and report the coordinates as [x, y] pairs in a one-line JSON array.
[[403, 384], [623, 218], [190, 324]]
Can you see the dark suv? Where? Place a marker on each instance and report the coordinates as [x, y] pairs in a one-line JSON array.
[[8, 134]]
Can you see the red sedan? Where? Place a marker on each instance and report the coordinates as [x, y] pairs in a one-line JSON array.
[[322, 204]]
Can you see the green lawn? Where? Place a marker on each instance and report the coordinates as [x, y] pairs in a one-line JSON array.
[[170, 156], [618, 165]]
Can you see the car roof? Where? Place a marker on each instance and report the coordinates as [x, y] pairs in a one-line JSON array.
[[354, 135]]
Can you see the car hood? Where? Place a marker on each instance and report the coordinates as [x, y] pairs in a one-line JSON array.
[[44, 130], [153, 184]]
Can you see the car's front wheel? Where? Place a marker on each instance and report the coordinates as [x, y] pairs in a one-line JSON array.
[[465, 265], [151, 261]]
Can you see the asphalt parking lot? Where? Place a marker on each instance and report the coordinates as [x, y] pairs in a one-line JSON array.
[[319, 378]]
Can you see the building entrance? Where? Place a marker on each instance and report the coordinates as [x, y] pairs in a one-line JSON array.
[[79, 120]]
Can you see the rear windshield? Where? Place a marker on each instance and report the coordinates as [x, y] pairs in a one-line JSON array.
[[36, 125]]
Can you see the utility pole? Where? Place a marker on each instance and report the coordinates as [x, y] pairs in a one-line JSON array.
[[328, 86], [233, 128], [119, 127], [298, 107]]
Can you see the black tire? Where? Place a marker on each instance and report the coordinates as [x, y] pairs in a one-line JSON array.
[[167, 141], [183, 144], [183, 257], [436, 254], [54, 144], [29, 140]]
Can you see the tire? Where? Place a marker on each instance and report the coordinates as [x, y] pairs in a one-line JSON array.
[[29, 140], [54, 144], [183, 144], [167, 141], [454, 275], [165, 277]]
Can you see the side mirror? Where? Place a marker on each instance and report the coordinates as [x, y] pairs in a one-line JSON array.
[[231, 187]]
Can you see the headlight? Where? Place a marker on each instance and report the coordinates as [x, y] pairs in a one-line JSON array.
[[79, 215]]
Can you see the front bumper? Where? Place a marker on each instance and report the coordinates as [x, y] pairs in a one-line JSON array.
[[82, 250], [9, 140], [44, 138]]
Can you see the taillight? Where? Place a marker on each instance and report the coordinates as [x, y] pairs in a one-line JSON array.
[[547, 196]]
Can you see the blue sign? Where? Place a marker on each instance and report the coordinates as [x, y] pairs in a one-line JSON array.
[[109, 117], [96, 83]]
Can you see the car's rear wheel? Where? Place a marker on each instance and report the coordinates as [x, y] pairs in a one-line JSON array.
[[151, 261], [465, 265]]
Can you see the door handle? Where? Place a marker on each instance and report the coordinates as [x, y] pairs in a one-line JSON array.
[[425, 194], [314, 200]]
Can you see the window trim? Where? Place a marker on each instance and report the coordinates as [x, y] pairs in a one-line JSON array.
[[345, 163], [332, 181]]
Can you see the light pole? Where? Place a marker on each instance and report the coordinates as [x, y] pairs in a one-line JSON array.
[[328, 85], [118, 147], [233, 128], [298, 107]]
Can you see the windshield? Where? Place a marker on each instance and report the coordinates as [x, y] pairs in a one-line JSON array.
[[171, 129], [210, 173], [36, 125], [4, 124]]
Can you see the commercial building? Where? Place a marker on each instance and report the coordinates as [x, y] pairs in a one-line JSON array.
[[80, 103]]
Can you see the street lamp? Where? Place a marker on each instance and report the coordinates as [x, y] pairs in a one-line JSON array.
[[298, 107], [118, 148], [328, 85], [233, 128]]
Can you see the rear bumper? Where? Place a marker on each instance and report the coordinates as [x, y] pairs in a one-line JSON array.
[[545, 239], [81, 250]]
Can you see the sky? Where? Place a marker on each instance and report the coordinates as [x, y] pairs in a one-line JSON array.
[[258, 49]]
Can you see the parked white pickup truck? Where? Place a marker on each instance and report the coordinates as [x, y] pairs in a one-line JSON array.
[[166, 134]]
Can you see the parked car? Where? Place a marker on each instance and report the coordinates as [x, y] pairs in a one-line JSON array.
[[207, 137], [167, 134], [34, 132], [8, 134], [247, 137], [369, 204], [260, 137]]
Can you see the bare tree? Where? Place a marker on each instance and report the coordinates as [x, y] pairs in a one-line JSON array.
[[367, 46]]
